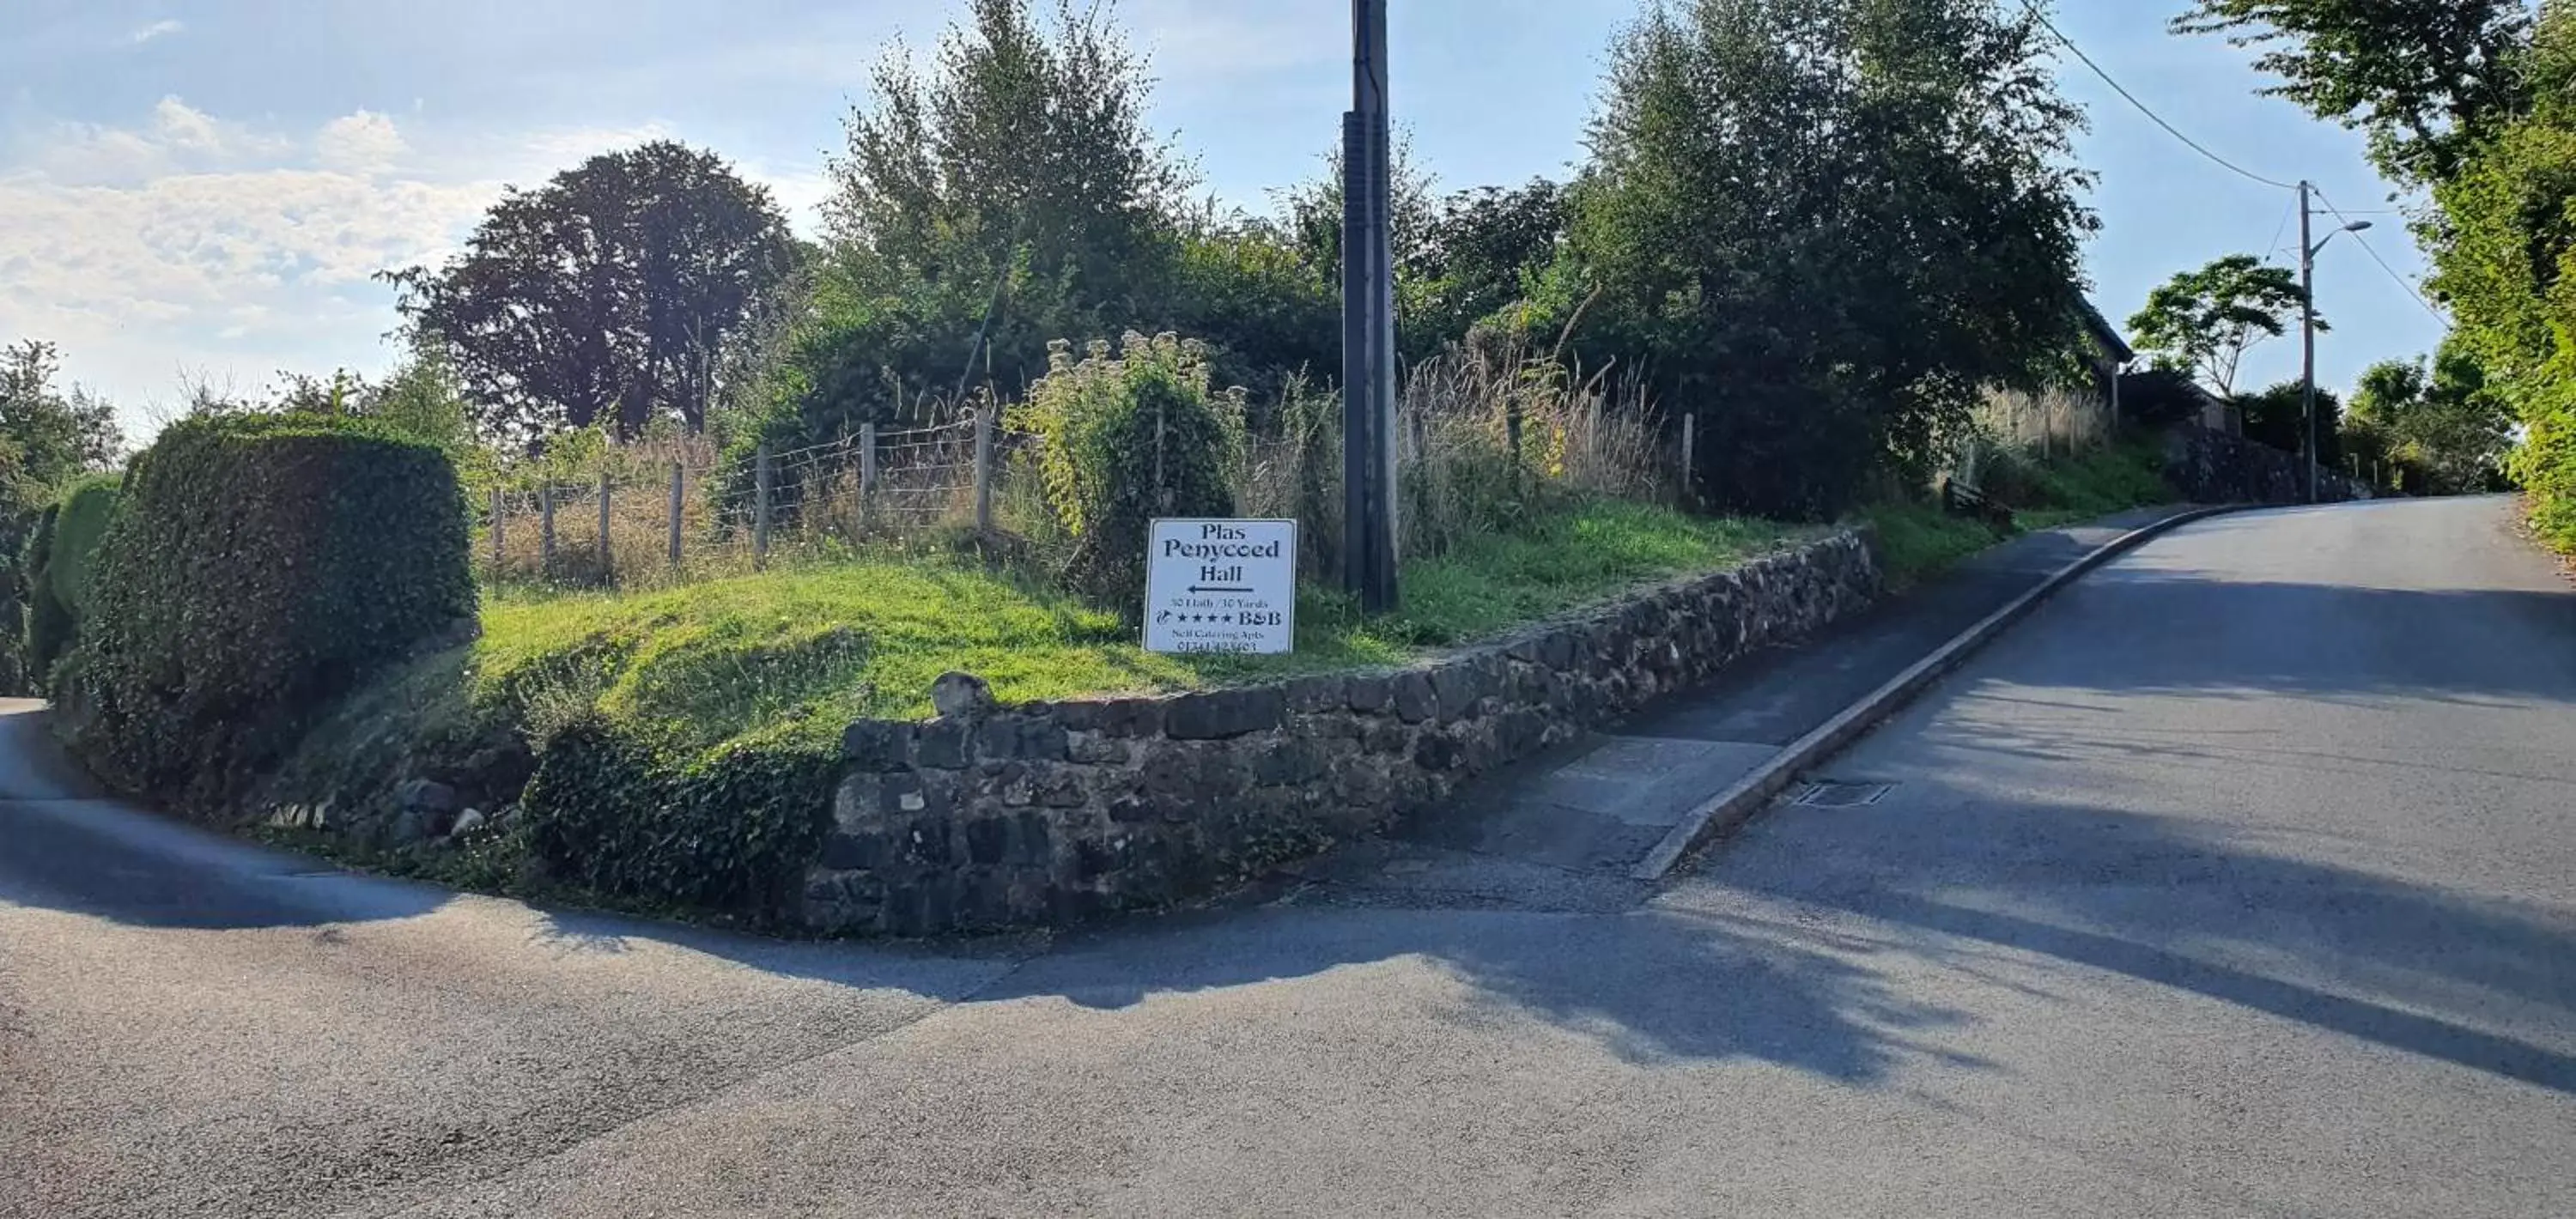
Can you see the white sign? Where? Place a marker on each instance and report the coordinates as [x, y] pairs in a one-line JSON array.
[[1221, 586]]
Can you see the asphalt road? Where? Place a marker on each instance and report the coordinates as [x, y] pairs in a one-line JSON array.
[[2239, 880]]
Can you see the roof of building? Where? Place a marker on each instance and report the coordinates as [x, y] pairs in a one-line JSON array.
[[2106, 334]]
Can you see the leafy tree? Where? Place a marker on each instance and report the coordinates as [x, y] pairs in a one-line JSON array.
[[2504, 252], [2446, 426], [605, 297], [2427, 79], [1825, 225], [1016, 179], [1481, 251], [1277, 313], [49, 436], [2204, 321], [2277, 416]]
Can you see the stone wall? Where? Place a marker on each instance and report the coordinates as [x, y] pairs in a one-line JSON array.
[[990, 816], [2213, 467]]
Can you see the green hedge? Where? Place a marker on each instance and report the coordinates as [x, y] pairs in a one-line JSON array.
[[61, 559], [256, 568], [730, 831]]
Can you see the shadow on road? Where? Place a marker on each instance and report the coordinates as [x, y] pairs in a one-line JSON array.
[[1753, 961]]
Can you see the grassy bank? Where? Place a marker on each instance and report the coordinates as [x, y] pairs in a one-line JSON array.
[[1918, 540], [791, 656]]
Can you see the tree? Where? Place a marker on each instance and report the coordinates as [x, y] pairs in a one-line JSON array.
[[1013, 180], [1826, 226], [2446, 426], [2429, 80], [605, 297], [2277, 416], [2504, 254], [2204, 321], [1481, 251], [49, 436]]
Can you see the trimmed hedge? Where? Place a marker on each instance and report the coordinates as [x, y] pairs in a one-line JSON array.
[[256, 568], [60, 567]]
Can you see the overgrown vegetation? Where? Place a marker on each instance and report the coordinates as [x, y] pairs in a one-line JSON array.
[[1918, 540], [1124, 439]]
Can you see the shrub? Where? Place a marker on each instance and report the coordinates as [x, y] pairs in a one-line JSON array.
[[1128, 439], [61, 556], [257, 567], [45, 620], [732, 830]]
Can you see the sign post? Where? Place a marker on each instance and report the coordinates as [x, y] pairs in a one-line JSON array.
[[1221, 586]]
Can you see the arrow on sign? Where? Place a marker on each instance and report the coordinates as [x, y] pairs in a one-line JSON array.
[[1197, 588]]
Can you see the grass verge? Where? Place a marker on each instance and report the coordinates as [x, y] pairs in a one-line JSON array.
[[805, 650], [1918, 540], [785, 659]]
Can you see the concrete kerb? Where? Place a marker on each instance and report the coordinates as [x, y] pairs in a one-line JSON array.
[[1736, 804]]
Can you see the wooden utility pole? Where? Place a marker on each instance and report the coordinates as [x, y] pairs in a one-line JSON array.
[[1368, 324], [2308, 338]]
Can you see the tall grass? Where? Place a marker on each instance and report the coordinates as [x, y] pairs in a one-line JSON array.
[[1488, 439]]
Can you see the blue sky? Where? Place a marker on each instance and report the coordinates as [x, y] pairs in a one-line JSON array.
[[201, 188]]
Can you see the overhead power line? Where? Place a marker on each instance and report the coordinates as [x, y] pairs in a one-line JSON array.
[[2367, 248], [2122, 90]]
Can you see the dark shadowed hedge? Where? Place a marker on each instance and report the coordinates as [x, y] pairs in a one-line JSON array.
[[256, 568], [730, 831]]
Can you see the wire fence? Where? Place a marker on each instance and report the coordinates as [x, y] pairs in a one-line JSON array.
[[698, 518], [1475, 440]]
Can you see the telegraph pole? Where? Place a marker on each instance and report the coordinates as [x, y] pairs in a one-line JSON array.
[[1368, 323], [2308, 338]]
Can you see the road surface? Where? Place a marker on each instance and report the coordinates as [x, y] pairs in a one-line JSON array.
[[2240, 880]]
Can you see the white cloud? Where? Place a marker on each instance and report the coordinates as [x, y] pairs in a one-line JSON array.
[[193, 241], [188, 243], [177, 138], [363, 142], [157, 29]]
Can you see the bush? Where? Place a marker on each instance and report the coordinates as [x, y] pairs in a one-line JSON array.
[[257, 567], [44, 620], [730, 831], [1129, 439], [60, 559]]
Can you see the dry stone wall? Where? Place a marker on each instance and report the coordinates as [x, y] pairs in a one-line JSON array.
[[2212, 467], [991, 816]]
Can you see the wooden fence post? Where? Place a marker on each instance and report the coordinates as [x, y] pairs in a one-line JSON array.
[[499, 508], [760, 509], [607, 553], [984, 468], [546, 531], [1690, 451], [867, 470], [676, 478], [1512, 437]]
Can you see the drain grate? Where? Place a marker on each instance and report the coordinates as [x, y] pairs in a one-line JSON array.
[[1833, 794]]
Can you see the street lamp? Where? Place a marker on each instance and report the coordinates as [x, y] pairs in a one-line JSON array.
[[2308, 325]]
